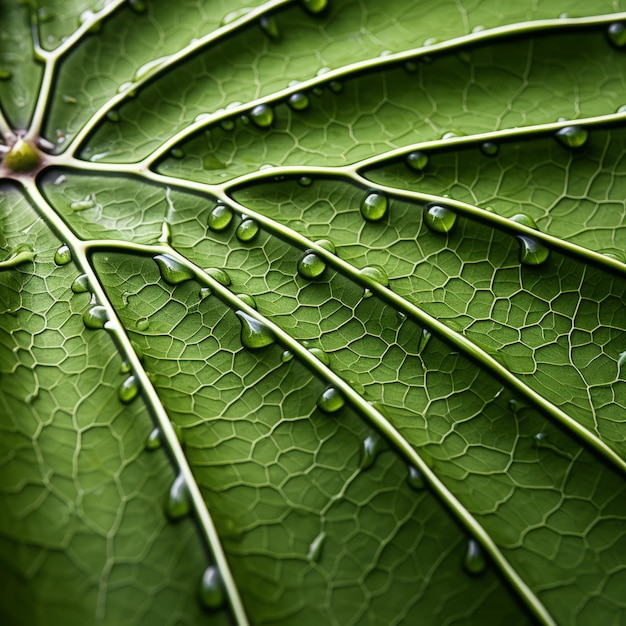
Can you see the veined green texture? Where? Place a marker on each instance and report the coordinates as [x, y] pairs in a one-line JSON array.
[[312, 312]]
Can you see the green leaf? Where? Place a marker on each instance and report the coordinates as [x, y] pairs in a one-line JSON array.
[[312, 312]]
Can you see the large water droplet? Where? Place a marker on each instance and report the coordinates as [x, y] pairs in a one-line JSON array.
[[372, 445], [377, 274], [95, 317], [374, 207], [572, 136], [269, 26], [417, 160], [128, 390], [474, 561], [254, 333], [247, 230], [617, 34], [416, 478], [173, 271], [211, 589], [247, 299], [331, 400], [315, 548], [320, 355], [81, 284], [218, 275], [63, 255], [262, 115], [177, 505], [298, 101], [311, 266], [314, 6], [532, 250], [153, 441], [220, 217], [439, 219]]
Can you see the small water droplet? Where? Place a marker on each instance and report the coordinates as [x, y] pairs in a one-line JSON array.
[[138, 6], [617, 34], [621, 109], [372, 445], [417, 160], [311, 266], [128, 390], [5, 74], [113, 115], [286, 356], [331, 400], [88, 16], [298, 101], [247, 299], [211, 589], [478, 28], [83, 205], [320, 355], [451, 134], [474, 561], [424, 339], [177, 505], [377, 274], [439, 219], [416, 478], [489, 148], [143, 324], [315, 548], [374, 207], [314, 6], [262, 115], [335, 86], [125, 367], [220, 217], [67, 99], [95, 317], [305, 181], [146, 68], [247, 230], [63, 255], [81, 284], [172, 271], [218, 275], [532, 250], [153, 441], [269, 26], [329, 246], [228, 124], [572, 136], [254, 333]]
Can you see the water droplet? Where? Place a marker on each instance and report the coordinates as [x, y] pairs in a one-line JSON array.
[[153, 442], [335, 86], [172, 271], [127, 88], [262, 115], [86, 17], [228, 124], [246, 299], [416, 478], [617, 34], [128, 390], [572, 136], [218, 275], [315, 548], [320, 355], [95, 317], [311, 266], [317, 91], [621, 109], [417, 160], [451, 134], [138, 6], [372, 445], [143, 324], [329, 246], [305, 181], [439, 219], [269, 26], [147, 68], [82, 205], [314, 6], [532, 250], [374, 207], [81, 284], [424, 339], [621, 361], [220, 217], [125, 367], [489, 148], [44, 15], [68, 99], [474, 561], [331, 400], [410, 67], [375, 273], [247, 230], [177, 505], [298, 101], [286, 356], [254, 333], [211, 589], [113, 116]]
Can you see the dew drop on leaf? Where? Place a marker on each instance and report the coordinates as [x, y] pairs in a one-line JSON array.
[[617, 34], [80, 284], [286, 356], [315, 6], [128, 390], [228, 124], [172, 271], [82, 205], [320, 355], [439, 219], [247, 230], [315, 548], [138, 6], [305, 181], [532, 250], [374, 207], [262, 115], [311, 266], [335, 86], [220, 217], [219, 275], [474, 561], [331, 400], [95, 317], [143, 324], [153, 441], [329, 246], [67, 99], [247, 299], [572, 136], [371, 447], [269, 26], [298, 101], [177, 505], [113, 115], [416, 479], [375, 273], [424, 339], [489, 148], [254, 333], [211, 589], [417, 160]]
